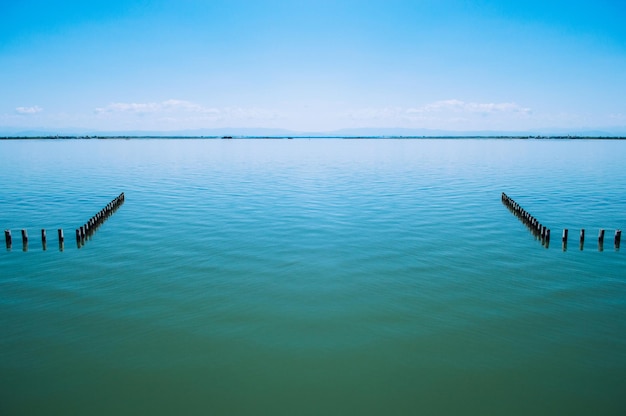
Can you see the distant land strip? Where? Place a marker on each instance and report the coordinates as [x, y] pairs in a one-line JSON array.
[[313, 137]]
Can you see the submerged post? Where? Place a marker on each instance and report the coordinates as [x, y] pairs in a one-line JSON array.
[[582, 238], [601, 240], [618, 237], [24, 240], [44, 239], [61, 239], [8, 238]]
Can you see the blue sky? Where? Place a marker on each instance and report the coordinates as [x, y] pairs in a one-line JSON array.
[[313, 65]]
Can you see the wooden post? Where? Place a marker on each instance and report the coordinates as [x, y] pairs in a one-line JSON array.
[[601, 240], [582, 238], [565, 232], [24, 240], [80, 239], [61, 239], [8, 238], [44, 239], [618, 237]]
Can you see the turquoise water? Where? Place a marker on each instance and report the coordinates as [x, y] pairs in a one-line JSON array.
[[313, 277]]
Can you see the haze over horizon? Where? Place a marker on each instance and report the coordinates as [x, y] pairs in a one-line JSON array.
[[313, 66]]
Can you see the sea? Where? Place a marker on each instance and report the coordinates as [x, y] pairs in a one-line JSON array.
[[312, 277]]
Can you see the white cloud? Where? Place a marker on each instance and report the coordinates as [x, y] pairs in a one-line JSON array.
[[185, 109], [446, 114], [29, 110], [168, 106], [182, 114], [444, 108], [459, 106]]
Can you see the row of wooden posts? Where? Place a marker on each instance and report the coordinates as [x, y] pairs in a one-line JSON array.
[[82, 233], [543, 233], [86, 230], [537, 228]]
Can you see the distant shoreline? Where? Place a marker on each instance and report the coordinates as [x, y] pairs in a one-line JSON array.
[[311, 137]]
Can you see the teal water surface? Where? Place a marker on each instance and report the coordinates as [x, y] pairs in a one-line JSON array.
[[313, 277]]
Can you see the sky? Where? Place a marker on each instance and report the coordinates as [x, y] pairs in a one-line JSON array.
[[313, 66]]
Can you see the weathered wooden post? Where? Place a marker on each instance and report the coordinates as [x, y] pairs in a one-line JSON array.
[[601, 240], [24, 240], [618, 237], [61, 239], [80, 238], [565, 232], [44, 239], [8, 238], [582, 238]]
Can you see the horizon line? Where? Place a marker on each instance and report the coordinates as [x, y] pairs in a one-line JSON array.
[[290, 137]]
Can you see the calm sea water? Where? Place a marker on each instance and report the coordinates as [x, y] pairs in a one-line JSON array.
[[297, 277]]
